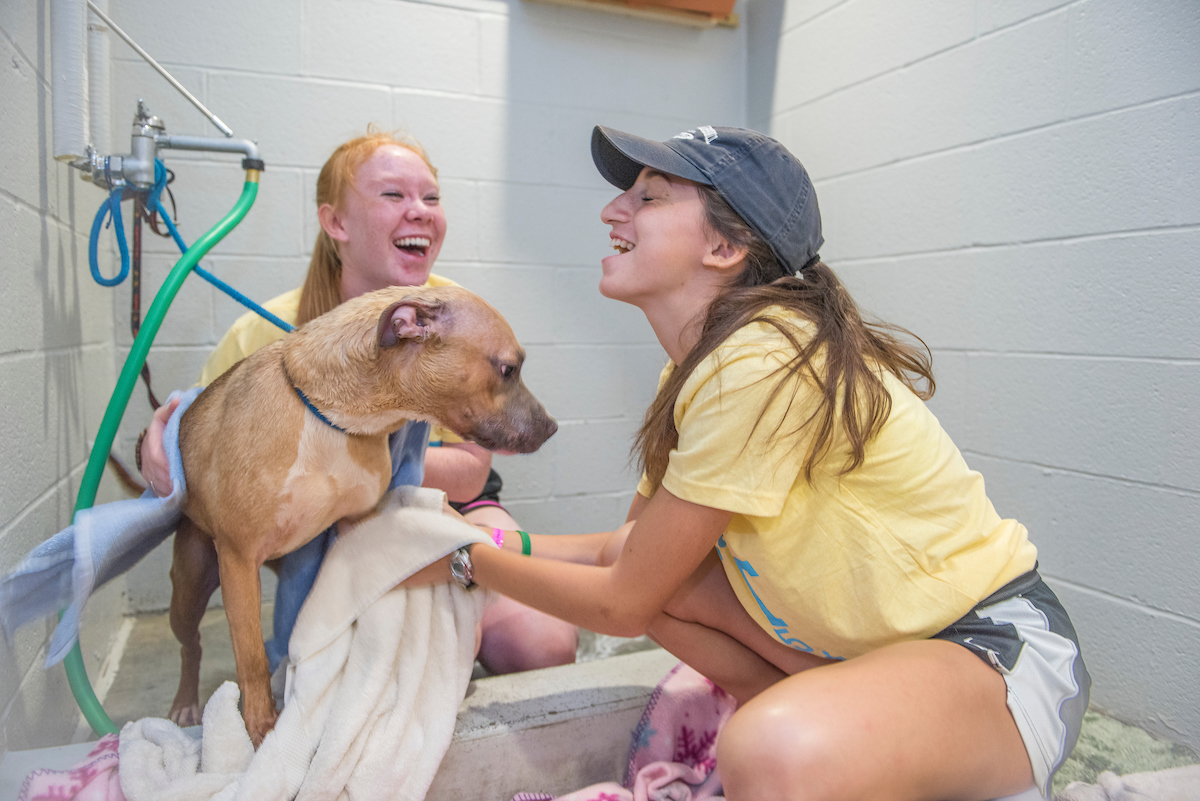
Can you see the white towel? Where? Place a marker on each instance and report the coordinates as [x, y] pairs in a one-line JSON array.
[[375, 678]]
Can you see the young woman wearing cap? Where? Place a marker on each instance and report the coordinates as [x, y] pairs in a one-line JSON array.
[[805, 534]]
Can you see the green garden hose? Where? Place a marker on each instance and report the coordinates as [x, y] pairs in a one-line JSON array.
[[81, 688]]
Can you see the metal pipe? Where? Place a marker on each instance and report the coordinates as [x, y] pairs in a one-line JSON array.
[[77, 678], [178, 142], [98, 84], [68, 86], [225, 129]]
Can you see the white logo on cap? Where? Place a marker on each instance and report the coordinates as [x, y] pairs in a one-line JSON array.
[[707, 131]]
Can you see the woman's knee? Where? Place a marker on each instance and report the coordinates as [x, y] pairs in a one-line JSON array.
[[769, 751]]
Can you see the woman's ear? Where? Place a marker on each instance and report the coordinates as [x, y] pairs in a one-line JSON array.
[[331, 222], [722, 255]]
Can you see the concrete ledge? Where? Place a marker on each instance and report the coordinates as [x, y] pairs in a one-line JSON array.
[[553, 730]]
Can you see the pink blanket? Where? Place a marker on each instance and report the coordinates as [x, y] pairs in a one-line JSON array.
[[93, 779], [673, 755]]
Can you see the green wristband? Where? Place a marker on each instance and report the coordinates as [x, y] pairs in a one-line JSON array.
[[526, 545]]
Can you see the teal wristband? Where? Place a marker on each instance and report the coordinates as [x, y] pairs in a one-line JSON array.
[[526, 546]]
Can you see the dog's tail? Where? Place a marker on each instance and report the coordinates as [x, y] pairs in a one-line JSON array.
[[131, 485]]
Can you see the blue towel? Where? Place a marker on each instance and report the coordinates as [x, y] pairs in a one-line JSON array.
[[100, 545], [107, 540], [298, 569]]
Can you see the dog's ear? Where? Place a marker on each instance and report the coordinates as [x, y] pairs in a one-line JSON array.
[[407, 320]]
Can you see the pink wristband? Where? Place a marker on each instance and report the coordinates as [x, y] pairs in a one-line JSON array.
[[498, 537]]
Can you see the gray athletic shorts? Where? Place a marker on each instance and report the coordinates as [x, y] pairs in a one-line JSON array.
[[1023, 632]]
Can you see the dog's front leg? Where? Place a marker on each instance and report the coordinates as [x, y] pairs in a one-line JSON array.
[[242, 593]]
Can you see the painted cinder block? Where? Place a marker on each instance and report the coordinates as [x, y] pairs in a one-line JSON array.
[[576, 382], [260, 279], [25, 128], [1073, 296], [674, 70], [524, 295], [593, 456], [1119, 172], [258, 37], [800, 12], [296, 121], [1016, 79], [133, 79], [482, 139], [44, 427], [857, 41], [1125, 418], [1114, 536], [392, 43], [52, 301], [540, 224], [1127, 53], [190, 317], [1142, 662], [460, 201], [574, 514], [205, 191], [26, 28], [582, 314], [991, 15]]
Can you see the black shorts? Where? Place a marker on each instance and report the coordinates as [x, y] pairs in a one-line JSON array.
[[1023, 632], [490, 496]]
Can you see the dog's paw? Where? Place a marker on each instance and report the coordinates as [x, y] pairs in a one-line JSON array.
[[259, 723], [185, 715]]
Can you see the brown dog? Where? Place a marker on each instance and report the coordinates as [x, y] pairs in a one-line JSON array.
[[265, 474]]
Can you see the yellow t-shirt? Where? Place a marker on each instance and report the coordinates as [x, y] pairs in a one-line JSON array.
[[896, 550], [251, 332]]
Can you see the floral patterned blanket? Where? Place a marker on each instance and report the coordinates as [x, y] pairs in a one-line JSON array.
[[673, 754]]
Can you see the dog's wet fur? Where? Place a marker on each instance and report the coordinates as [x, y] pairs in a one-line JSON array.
[[265, 475]]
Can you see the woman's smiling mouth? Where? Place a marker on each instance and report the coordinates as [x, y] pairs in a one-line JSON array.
[[620, 245], [415, 245]]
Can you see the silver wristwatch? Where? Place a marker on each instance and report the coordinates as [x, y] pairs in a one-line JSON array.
[[461, 569]]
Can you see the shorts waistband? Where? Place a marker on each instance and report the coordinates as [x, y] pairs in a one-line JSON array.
[[1018, 586]]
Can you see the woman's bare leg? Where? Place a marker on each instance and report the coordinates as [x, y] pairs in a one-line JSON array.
[[516, 637], [916, 720]]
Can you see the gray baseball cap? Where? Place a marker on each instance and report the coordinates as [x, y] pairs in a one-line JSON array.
[[757, 176]]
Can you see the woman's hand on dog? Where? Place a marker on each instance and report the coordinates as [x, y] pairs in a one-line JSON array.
[[155, 467]]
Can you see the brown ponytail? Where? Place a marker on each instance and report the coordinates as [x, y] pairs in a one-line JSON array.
[[840, 359]]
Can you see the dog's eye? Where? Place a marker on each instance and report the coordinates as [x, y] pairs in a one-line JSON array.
[[507, 370]]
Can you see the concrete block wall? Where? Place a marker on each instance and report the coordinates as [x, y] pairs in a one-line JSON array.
[[1014, 181], [56, 367], [502, 94]]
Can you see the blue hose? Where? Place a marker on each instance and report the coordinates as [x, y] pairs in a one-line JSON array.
[[111, 205]]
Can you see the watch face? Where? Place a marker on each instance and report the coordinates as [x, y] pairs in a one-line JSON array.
[[460, 568]]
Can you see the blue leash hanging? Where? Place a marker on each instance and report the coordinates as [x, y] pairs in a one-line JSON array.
[[111, 207]]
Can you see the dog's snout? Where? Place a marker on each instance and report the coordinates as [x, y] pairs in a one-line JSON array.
[[522, 426]]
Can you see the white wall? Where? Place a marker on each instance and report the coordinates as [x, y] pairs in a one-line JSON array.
[[1016, 182], [502, 93], [56, 365]]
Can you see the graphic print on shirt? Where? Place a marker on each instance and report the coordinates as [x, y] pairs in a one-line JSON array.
[[778, 624]]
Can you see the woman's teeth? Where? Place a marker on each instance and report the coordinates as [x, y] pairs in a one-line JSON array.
[[620, 245], [413, 243]]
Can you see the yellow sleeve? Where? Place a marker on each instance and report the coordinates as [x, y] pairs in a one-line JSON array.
[[739, 448], [249, 333], [443, 436]]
